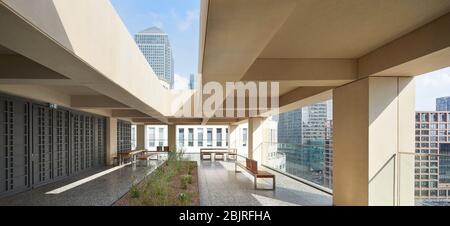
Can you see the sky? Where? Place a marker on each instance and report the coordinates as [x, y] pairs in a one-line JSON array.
[[180, 19], [431, 86]]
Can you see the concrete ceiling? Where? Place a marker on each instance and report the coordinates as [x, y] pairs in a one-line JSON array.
[[6, 51], [310, 45], [350, 28]]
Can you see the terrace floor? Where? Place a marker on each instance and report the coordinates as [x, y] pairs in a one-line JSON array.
[[221, 186], [100, 187], [218, 183]]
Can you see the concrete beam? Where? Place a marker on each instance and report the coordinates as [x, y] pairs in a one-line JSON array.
[[302, 93], [151, 121], [410, 54], [128, 114], [96, 101], [20, 67], [304, 72]]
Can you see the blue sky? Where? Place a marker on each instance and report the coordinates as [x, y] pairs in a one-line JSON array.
[[180, 19], [430, 86]]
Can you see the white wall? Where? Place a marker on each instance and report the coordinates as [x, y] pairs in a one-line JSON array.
[[195, 148], [156, 139]]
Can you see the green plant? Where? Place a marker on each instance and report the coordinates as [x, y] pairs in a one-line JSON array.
[[184, 184], [184, 198], [189, 166], [187, 179], [135, 191]]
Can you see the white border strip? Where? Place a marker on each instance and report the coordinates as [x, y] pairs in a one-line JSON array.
[[85, 180]]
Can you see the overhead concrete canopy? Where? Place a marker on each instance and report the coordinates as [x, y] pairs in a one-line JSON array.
[[306, 44], [79, 53]]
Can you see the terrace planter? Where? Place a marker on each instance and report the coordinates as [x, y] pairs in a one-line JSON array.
[[169, 185]]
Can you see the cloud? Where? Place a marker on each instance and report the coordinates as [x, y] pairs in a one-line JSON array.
[[185, 22], [156, 19], [180, 82]]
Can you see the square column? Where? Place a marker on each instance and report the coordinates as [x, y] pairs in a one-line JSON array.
[[172, 137], [255, 138], [232, 136], [111, 140], [373, 139], [140, 137]]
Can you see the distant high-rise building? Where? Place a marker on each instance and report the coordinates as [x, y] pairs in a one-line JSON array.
[[314, 118], [328, 155], [301, 136], [154, 44], [192, 82], [290, 127], [432, 159], [443, 104]]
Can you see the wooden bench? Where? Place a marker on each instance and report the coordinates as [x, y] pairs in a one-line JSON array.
[[217, 152], [251, 166], [146, 157], [162, 149], [128, 156]]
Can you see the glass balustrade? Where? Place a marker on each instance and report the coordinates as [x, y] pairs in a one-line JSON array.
[[431, 177], [312, 162]]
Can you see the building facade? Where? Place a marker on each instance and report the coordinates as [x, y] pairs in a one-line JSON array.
[[290, 127], [192, 82], [302, 139], [155, 45], [328, 155], [432, 168], [443, 104]]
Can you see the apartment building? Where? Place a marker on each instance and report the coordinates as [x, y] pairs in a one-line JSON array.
[[328, 155], [432, 156]]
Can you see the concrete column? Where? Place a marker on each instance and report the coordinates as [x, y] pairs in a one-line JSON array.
[[232, 135], [373, 129], [255, 138], [172, 137], [140, 137], [111, 140]]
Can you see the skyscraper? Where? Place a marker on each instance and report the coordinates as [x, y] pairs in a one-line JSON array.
[[314, 118], [290, 127], [301, 137], [443, 104], [192, 82], [154, 44]]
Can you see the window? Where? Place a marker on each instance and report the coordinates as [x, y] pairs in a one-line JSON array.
[[161, 137], [209, 137], [227, 137], [200, 137], [151, 137], [181, 137], [133, 137], [191, 137], [219, 137], [244, 137]]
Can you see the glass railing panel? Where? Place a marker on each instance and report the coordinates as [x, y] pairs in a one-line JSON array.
[[309, 162], [430, 173]]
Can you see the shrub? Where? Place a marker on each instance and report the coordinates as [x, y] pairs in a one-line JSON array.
[[134, 191], [184, 198], [189, 169], [187, 179]]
